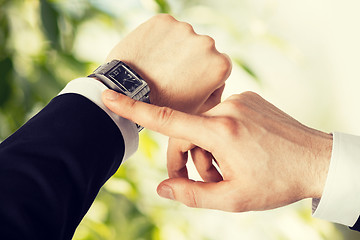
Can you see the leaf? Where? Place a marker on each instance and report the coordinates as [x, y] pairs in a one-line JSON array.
[[49, 18], [247, 69], [4, 31], [149, 146], [164, 6], [78, 67], [6, 69]]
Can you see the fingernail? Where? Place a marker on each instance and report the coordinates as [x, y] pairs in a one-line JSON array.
[[166, 192], [111, 95]]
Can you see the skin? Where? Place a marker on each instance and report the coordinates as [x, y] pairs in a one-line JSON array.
[[266, 158], [183, 69]]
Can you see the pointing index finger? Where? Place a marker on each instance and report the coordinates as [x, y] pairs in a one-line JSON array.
[[164, 120]]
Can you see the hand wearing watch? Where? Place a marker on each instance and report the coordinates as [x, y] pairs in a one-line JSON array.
[[118, 76]]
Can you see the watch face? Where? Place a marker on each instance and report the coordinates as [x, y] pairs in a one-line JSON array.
[[125, 79]]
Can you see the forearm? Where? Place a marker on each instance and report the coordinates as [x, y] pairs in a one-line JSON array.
[[53, 167], [60, 158]]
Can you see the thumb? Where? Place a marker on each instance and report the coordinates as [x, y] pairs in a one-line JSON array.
[[199, 194]]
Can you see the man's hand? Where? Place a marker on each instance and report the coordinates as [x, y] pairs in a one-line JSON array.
[[183, 69], [267, 159]]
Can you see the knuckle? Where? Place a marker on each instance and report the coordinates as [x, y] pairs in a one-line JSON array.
[[207, 41], [164, 116], [225, 126], [191, 199], [237, 205], [233, 205], [233, 97], [171, 141], [186, 27], [132, 105], [238, 104], [249, 95], [241, 107], [242, 102], [224, 65], [164, 17]]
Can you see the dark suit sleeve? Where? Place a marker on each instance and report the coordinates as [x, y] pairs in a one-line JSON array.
[[356, 226], [52, 168]]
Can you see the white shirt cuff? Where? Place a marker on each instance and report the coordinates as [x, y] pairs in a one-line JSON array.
[[340, 201], [92, 90]]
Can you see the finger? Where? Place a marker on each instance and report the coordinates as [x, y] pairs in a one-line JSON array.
[[199, 194], [223, 65], [216, 95], [203, 161], [229, 65], [213, 100], [177, 157], [160, 119]]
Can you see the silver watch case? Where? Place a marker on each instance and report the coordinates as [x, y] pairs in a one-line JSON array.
[[141, 92]]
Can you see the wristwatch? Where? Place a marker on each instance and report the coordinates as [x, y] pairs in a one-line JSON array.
[[119, 77]]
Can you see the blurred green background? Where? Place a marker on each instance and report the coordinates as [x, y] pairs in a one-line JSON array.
[[285, 50]]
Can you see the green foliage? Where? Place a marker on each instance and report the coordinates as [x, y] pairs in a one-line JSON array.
[[30, 78], [163, 6], [37, 58], [247, 69], [6, 67], [114, 216], [49, 18]]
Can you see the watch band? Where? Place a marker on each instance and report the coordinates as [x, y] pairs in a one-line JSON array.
[[143, 95], [118, 76]]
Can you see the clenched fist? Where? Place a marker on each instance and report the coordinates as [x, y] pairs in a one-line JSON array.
[[183, 69]]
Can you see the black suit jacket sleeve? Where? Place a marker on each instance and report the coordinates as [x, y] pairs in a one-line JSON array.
[[357, 225], [52, 168]]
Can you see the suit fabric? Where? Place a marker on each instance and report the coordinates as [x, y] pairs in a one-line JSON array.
[[52, 168]]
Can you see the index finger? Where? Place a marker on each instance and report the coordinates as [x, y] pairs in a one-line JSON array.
[[177, 157], [164, 120]]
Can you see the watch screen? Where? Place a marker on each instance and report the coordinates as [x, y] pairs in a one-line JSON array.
[[121, 76]]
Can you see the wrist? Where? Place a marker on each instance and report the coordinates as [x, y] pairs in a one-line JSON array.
[[95, 78], [141, 69], [319, 163]]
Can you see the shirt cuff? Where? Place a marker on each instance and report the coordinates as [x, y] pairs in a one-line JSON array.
[[92, 90], [341, 196]]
